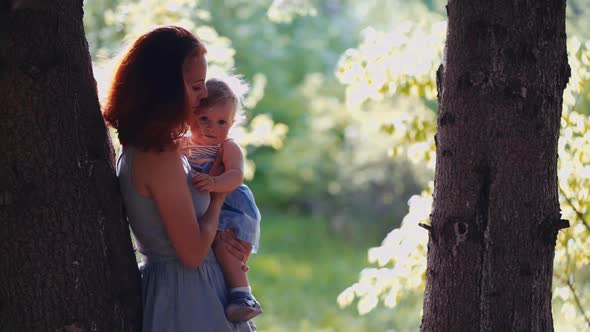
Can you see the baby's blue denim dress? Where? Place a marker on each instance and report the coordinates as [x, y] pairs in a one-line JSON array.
[[239, 210]]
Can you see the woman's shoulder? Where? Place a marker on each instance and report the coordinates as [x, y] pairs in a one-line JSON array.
[[154, 160], [162, 168], [170, 152]]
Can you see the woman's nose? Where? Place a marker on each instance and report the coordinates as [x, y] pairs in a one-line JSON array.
[[205, 92]]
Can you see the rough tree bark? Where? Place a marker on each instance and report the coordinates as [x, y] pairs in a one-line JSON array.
[[496, 213], [67, 260]]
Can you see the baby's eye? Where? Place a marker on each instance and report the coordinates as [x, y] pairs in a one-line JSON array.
[[222, 122], [203, 118]]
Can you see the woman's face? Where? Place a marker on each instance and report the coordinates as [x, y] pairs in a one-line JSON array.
[[194, 71]]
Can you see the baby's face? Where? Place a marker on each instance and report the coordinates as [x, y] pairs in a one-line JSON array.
[[210, 125]]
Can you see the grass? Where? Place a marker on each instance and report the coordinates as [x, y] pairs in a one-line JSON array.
[[300, 270]]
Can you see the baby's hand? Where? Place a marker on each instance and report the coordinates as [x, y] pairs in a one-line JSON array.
[[204, 182]]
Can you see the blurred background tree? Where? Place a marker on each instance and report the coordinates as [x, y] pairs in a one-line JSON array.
[[339, 140]]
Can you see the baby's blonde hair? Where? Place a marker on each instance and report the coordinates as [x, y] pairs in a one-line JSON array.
[[227, 89]]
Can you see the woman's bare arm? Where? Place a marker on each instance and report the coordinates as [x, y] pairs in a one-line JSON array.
[[167, 184]]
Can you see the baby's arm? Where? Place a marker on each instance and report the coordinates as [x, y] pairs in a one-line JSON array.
[[233, 175], [233, 162]]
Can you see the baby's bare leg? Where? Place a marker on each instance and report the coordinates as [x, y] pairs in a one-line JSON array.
[[235, 276], [242, 305]]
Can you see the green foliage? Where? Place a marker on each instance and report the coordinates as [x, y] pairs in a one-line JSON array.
[[292, 70], [298, 272], [576, 23], [283, 11], [401, 61], [302, 92]]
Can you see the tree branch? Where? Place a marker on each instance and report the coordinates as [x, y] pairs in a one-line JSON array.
[[576, 210], [572, 288]]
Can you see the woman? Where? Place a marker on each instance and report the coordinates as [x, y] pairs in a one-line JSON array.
[[159, 81]]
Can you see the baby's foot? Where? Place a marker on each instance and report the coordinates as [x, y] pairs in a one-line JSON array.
[[242, 307]]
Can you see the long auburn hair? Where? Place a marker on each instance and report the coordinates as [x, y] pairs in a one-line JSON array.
[[147, 102]]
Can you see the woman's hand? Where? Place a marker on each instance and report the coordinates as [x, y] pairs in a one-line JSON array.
[[218, 196], [236, 247]]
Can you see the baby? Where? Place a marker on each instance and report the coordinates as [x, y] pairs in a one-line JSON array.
[[209, 127]]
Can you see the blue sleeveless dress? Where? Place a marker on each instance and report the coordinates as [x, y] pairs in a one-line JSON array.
[[175, 298], [239, 210]]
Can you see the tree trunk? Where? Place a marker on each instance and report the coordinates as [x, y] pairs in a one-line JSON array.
[[67, 260], [496, 213]]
